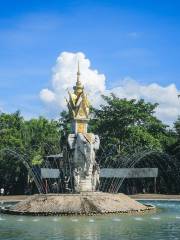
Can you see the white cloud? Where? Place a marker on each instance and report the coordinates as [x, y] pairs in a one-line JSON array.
[[47, 96], [64, 77], [167, 97]]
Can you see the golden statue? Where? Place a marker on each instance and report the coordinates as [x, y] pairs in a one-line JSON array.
[[78, 106]]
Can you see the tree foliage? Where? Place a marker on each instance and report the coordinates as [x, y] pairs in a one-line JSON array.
[[123, 123], [125, 127], [129, 129], [24, 140]]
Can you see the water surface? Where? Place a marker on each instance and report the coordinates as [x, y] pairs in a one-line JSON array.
[[165, 224]]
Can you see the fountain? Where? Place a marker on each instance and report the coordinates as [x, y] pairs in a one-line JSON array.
[[83, 172]]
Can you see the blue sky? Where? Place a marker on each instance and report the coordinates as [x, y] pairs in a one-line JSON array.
[[139, 39]]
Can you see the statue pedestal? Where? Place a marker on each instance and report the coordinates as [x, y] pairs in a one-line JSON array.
[[85, 185]]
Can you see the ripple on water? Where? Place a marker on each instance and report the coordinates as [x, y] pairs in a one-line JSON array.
[[20, 220], [35, 220], [55, 219], [74, 220], [2, 219], [177, 217], [91, 220], [116, 219], [155, 218], [138, 219]]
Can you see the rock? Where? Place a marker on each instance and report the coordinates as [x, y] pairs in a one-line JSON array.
[[88, 203]]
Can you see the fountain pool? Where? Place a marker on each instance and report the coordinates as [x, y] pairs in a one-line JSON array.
[[164, 224]]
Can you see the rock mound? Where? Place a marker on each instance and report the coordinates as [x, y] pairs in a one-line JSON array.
[[78, 204]]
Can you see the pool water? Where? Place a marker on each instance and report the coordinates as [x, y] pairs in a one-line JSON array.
[[162, 225]]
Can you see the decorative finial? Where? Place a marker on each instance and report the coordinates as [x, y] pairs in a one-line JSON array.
[[79, 87], [78, 73]]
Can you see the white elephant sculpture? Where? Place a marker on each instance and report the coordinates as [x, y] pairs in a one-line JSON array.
[[85, 169]]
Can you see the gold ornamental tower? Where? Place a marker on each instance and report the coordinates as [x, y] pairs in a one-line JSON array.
[[78, 106]]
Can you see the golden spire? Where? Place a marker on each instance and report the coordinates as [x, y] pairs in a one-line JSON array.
[[78, 73], [79, 87]]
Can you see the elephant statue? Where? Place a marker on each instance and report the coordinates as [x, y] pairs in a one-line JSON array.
[[85, 169]]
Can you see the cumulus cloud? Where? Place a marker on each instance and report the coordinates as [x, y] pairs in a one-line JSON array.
[[64, 77], [47, 96], [167, 97]]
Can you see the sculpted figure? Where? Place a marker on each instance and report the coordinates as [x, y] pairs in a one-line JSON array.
[[76, 175], [85, 166], [83, 145]]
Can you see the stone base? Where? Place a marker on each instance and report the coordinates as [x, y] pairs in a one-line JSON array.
[[85, 185], [89, 203]]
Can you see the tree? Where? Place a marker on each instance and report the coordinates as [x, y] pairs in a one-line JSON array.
[[177, 127], [124, 123], [65, 127], [28, 141], [42, 136], [132, 136], [173, 147], [12, 172]]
